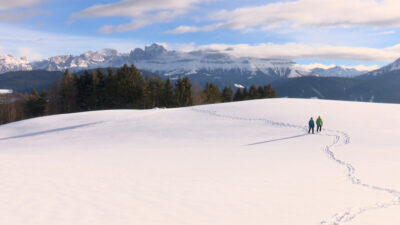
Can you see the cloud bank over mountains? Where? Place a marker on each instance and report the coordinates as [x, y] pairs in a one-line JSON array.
[[38, 45], [356, 31], [306, 51]]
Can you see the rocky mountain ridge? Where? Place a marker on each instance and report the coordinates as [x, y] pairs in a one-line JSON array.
[[156, 59]]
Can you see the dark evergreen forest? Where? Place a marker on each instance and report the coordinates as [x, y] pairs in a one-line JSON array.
[[125, 88]]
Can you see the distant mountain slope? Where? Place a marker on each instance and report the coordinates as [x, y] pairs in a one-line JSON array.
[[388, 69], [26, 81], [380, 89], [337, 71], [383, 88], [381, 85]]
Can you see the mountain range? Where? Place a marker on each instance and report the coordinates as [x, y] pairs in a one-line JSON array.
[[158, 60], [287, 77]]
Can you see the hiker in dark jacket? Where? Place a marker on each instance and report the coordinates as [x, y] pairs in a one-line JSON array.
[[311, 125], [319, 124]]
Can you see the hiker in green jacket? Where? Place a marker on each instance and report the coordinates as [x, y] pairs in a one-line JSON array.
[[319, 124]]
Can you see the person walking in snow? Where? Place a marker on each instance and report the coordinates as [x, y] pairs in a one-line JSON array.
[[319, 124], [311, 125]]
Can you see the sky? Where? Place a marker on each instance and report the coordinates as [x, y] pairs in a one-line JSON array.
[[355, 33]]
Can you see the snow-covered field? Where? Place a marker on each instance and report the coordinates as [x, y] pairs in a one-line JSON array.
[[244, 163]]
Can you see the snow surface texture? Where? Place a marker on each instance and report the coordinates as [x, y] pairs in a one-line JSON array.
[[155, 58], [239, 163]]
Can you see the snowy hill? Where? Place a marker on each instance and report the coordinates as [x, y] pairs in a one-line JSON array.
[[238, 163]]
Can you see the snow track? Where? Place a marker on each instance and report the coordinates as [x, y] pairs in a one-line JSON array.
[[340, 139]]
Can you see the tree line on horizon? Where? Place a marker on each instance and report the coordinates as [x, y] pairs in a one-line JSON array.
[[125, 88]]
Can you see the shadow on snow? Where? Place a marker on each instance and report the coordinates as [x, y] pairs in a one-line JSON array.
[[49, 131], [279, 139]]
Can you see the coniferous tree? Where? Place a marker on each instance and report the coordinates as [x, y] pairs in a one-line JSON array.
[[85, 91], [129, 88], [212, 93], [269, 92], [227, 94], [68, 93], [35, 105], [148, 91], [253, 92], [94, 95], [122, 86], [245, 94], [188, 91], [261, 93], [30, 104], [168, 98], [158, 91], [138, 87], [183, 92], [238, 95], [111, 89], [43, 103], [101, 91]]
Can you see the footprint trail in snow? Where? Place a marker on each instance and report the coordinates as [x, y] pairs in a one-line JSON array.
[[340, 139]]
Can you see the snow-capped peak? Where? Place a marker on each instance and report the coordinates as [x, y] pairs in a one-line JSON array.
[[337, 71], [9, 63], [155, 49], [386, 69]]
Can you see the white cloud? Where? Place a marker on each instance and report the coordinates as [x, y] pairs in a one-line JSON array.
[[310, 13], [183, 29], [38, 45], [298, 51], [11, 4], [29, 52], [142, 12], [316, 65], [361, 67], [35, 45], [12, 11], [14, 16], [192, 29], [383, 33]]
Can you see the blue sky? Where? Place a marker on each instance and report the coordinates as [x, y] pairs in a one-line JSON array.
[[343, 32]]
